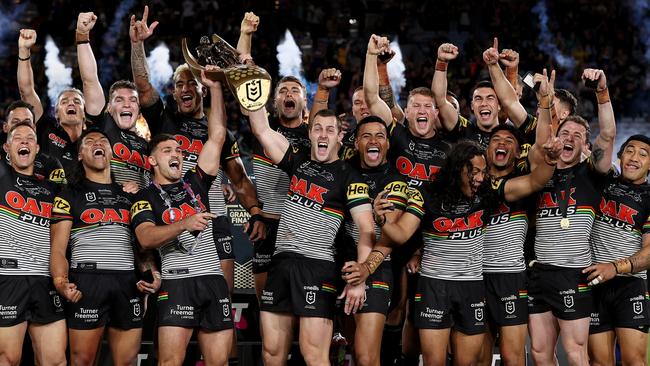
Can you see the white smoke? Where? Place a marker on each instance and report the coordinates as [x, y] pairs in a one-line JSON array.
[[396, 69], [111, 37], [59, 77], [9, 25], [290, 57], [545, 39], [639, 13], [160, 71]]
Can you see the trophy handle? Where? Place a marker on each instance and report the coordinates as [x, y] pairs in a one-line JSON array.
[[196, 68]]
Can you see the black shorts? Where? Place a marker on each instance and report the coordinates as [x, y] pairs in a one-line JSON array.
[[202, 302], [621, 302], [108, 298], [507, 298], [223, 237], [301, 286], [561, 290], [379, 287], [29, 298], [441, 304], [263, 249]]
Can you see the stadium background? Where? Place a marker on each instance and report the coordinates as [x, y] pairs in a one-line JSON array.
[[566, 35]]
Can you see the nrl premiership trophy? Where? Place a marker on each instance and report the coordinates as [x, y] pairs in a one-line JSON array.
[[250, 84]]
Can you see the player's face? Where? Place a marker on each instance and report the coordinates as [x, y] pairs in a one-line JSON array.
[[502, 150], [359, 107], [574, 140], [124, 107], [325, 138], [372, 144], [70, 108], [473, 178], [290, 100], [16, 116], [167, 160], [422, 115], [485, 106], [188, 94], [95, 152], [22, 147], [635, 162]]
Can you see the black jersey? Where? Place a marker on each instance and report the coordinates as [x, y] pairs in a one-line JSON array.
[[25, 212], [190, 254], [622, 218], [319, 194], [100, 238], [575, 191], [271, 182], [129, 162], [383, 177], [191, 133], [468, 130], [45, 166], [55, 142], [415, 158], [452, 236], [505, 234]]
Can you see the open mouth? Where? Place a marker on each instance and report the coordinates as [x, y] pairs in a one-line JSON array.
[[289, 105], [126, 114], [485, 113], [372, 153], [174, 164], [500, 154], [187, 100], [71, 111], [322, 147], [99, 152], [23, 151], [365, 114], [422, 121]]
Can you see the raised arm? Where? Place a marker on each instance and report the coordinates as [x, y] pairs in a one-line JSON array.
[[327, 80], [248, 26], [547, 116], [523, 186], [448, 114], [604, 144], [139, 31], [376, 106], [25, 76], [275, 145], [210, 154], [92, 89], [385, 90], [504, 89]]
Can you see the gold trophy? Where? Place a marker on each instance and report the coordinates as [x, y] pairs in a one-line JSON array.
[[250, 83]]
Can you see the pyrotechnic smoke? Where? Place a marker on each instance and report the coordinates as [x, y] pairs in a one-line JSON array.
[[9, 25], [160, 71], [545, 39], [110, 40], [396, 69], [59, 76]]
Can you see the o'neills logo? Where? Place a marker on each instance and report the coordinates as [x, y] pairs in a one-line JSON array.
[[416, 170], [106, 216], [460, 227], [28, 205], [306, 193], [181, 212], [131, 157]]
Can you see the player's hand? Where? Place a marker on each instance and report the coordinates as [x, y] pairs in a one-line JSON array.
[[250, 23], [595, 75], [150, 287], [138, 29], [209, 83], [69, 291], [546, 84], [354, 273], [509, 58], [197, 222], [599, 273], [491, 55], [130, 187], [255, 228], [86, 22], [26, 39], [377, 44], [228, 192], [447, 52], [413, 265], [354, 297], [329, 78], [553, 147]]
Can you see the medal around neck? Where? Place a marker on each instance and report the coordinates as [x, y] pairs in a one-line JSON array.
[[565, 223], [249, 83]]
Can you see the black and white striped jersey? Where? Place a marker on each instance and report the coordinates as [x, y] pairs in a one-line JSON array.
[[101, 237]]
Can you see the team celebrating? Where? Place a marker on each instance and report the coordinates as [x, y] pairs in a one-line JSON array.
[[419, 232]]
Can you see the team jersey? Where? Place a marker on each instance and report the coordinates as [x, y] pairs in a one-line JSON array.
[[185, 256], [25, 212], [129, 162], [55, 142], [415, 158], [383, 177], [271, 182], [319, 195], [622, 218], [100, 238], [505, 234], [191, 133], [452, 237], [576, 188], [45, 166], [468, 130]]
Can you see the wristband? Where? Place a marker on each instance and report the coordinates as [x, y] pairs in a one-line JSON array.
[[623, 266], [251, 222], [25, 58], [81, 37], [374, 261], [82, 42], [441, 65], [602, 96], [322, 96]]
